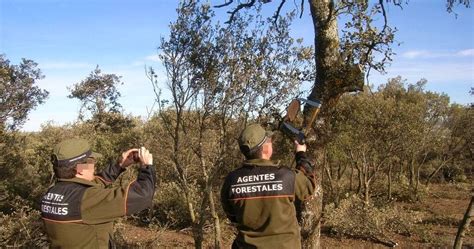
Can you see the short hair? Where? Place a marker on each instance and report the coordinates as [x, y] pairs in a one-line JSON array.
[[65, 172], [256, 153], [68, 171]]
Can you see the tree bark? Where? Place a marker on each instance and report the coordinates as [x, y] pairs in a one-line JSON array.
[[217, 226], [333, 78], [411, 171], [359, 186], [311, 215], [351, 179], [367, 192], [326, 43], [390, 182], [464, 225], [435, 171]]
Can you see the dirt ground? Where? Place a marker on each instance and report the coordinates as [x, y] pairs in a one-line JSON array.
[[442, 210]]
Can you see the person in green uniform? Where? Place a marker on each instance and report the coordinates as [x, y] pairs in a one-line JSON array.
[[79, 209], [259, 197]]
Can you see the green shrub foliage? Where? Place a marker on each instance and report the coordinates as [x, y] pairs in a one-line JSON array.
[[355, 218]]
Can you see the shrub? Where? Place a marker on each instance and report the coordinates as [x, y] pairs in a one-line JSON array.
[[454, 173], [443, 220], [354, 218], [22, 228], [126, 236], [169, 208]]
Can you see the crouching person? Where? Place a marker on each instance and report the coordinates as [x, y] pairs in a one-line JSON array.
[[79, 209]]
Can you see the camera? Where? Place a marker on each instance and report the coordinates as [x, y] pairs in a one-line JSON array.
[[135, 157]]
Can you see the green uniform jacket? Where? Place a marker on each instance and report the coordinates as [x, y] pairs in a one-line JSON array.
[[79, 214], [260, 198]]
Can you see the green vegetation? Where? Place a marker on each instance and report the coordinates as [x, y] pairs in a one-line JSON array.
[[378, 150], [387, 145]]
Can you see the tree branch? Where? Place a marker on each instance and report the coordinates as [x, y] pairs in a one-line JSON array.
[[277, 12], [224, 4], [238, 8], [302, 8]]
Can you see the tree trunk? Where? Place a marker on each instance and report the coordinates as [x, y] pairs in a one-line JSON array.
[[390, 182], [417, 183], [464, 225], [337, 194], [197, 227], [412, 172], [435, 171], [217, 226], [359, 185], [351, 180], [400, 172], [366, 192], [332, 79], [326, 43], [198, 235], [365, 171], [311, 216]]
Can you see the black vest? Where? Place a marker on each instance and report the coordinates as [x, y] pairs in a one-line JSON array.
[[255, 182], [62, 202]]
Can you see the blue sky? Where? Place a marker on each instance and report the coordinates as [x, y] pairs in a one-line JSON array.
[[68, 38]]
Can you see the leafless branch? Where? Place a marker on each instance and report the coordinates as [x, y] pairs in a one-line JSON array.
[[224, 4], [302, 8], [237, 9], [277, 12], [384, 15]]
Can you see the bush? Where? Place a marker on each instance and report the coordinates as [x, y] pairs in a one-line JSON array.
[[22, 228], [354, 218], [454, 173], [443, 220], [169, 208], [127, 236], [402, 190]]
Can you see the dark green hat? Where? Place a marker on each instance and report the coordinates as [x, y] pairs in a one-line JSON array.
[[253, 136], [72, 151]]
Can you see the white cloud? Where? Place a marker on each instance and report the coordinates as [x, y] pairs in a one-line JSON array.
[[425, 54], [415, 54], [138, 64], [442, 72], [466, 52], [142, 62], [153, 57]]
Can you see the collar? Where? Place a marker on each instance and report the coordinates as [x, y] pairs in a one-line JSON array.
[[261, 162], [78, 180]]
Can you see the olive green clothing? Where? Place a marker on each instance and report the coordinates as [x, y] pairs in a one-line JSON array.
[[79, 214], [260, 198]]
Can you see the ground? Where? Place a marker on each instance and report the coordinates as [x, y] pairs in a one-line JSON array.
[[441, 211]]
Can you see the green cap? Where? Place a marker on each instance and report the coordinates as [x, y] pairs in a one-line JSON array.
[[72, 151], [253, 136]]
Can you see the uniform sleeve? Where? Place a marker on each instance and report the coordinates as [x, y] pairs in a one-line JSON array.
[[225, 202], [305, 178], [109, 174], [101, 205], [140, 192], [304, 186]]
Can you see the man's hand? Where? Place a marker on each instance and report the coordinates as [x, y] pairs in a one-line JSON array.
[[300, 147], [146, 158], [129, 157]]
